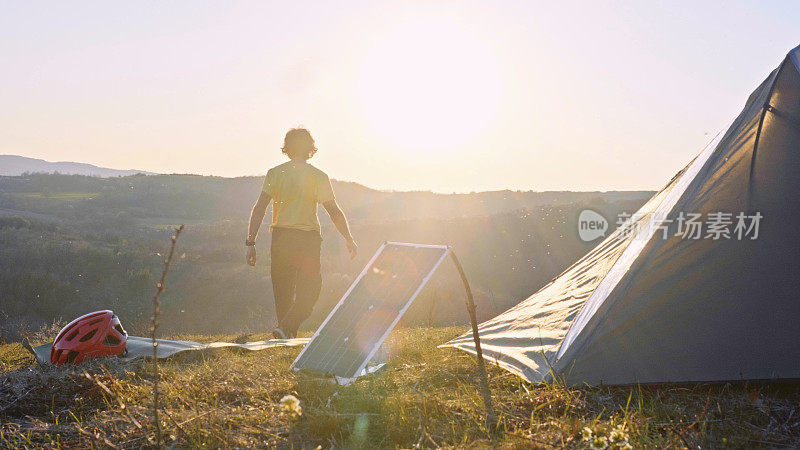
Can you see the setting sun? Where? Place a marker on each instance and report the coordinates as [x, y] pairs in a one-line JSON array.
[[428, 85]]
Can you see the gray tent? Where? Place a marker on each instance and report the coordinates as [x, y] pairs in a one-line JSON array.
[[647, 305]]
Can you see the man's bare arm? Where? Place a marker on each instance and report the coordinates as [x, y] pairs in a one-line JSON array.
[[340, 222], [256, 217]]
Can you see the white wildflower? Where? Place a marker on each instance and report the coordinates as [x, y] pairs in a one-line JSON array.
[[587, 434], [291, 405], [599, 442], [618, 435]]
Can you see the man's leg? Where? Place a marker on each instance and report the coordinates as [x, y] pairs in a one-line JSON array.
[[283, 273], [309, 280]]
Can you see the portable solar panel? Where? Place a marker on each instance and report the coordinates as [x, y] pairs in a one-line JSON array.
[[355, 329]]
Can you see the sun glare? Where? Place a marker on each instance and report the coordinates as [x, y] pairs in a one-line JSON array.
[[429, 86]]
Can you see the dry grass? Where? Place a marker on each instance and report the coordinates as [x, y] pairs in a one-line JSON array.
[[426, 397]]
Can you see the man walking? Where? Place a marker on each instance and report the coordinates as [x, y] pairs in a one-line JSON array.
[[295, 188]]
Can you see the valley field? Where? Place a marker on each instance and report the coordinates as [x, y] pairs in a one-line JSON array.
[[73, 244]]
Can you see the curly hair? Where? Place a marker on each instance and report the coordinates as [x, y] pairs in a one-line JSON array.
[[298, 142]]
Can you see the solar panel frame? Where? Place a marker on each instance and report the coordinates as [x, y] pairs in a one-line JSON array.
[[341, 301], [351, 375]]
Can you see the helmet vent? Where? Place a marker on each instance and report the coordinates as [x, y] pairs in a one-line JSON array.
[[72, 335], [111, 341], [71, 356], [88, 335], [95, 321]]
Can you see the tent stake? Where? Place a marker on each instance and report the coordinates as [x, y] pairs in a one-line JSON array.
[[487, 399]]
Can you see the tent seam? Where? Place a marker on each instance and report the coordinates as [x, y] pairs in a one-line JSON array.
[[764, 109]]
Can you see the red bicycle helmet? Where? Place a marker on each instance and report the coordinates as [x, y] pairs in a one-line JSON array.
[[89, 336]]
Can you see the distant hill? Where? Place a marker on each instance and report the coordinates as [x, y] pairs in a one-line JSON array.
[[14, 165], [203, 198], [78, 243]]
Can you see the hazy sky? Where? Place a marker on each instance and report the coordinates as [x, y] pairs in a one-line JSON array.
[[447, 96]]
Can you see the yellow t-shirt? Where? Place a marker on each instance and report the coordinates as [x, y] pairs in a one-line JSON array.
[[296, 188]]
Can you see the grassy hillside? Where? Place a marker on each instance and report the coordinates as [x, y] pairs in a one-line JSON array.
[[73, 244], [425, 397]]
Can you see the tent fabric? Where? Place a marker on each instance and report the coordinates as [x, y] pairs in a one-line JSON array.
[[141, 347], [645, 308]]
